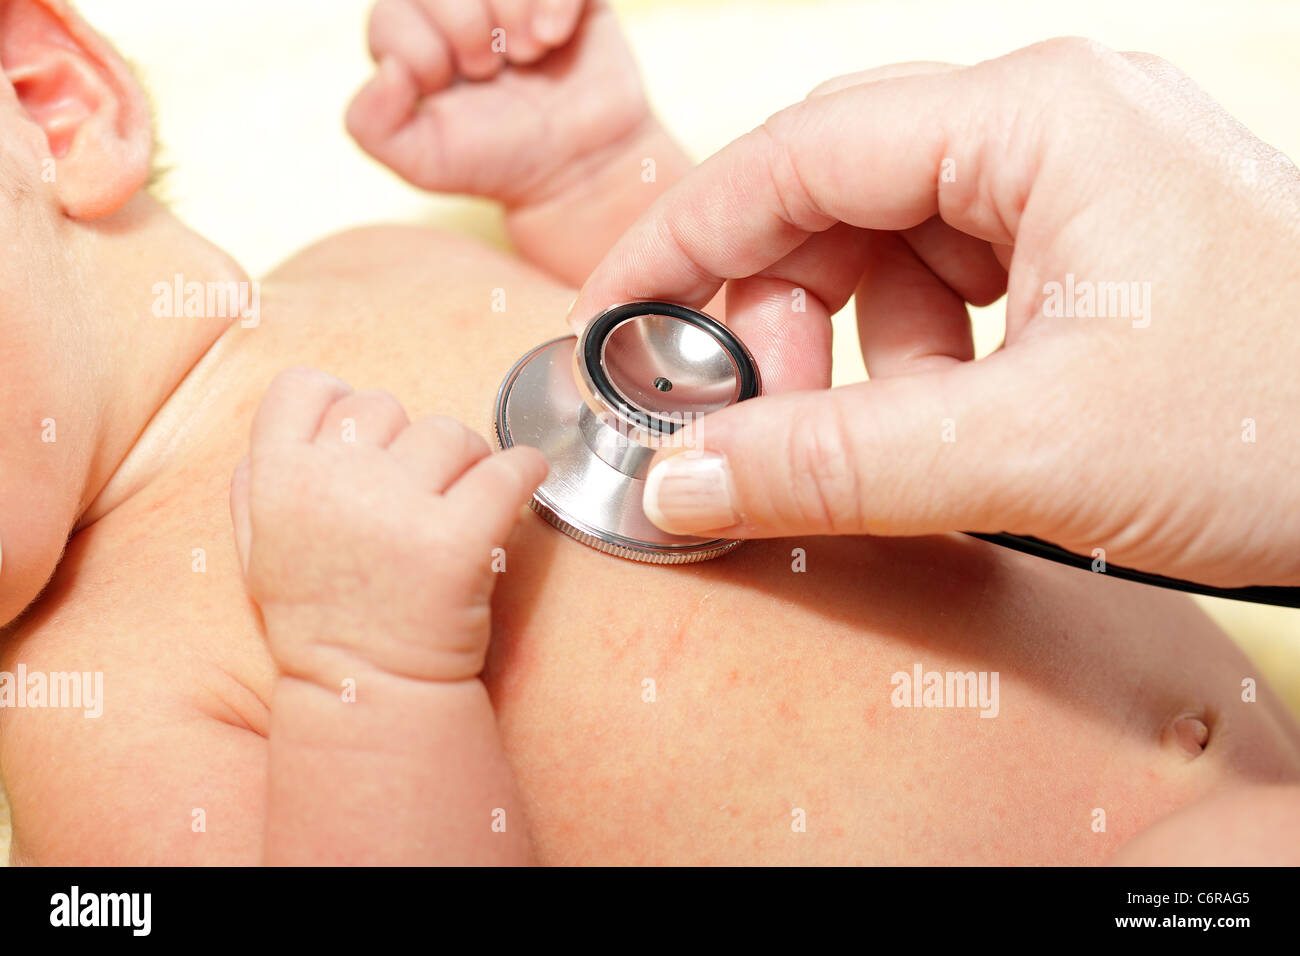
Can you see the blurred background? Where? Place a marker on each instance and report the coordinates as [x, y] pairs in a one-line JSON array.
[[250, 97]]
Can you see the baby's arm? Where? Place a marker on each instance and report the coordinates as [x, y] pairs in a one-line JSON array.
[[554, 124], [367, 543], [412, 774], [1249, 824]]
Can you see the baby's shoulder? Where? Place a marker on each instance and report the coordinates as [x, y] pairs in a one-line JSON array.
[[368, 252]]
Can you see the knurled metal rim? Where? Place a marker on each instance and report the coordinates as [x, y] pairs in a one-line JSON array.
[[631, 554]]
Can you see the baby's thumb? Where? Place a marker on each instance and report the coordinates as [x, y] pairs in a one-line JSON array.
[[912, 455], [488, 497]]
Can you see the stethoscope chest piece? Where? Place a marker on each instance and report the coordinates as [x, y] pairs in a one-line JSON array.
[[599, 405]]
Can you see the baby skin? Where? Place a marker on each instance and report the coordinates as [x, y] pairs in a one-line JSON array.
[[351, 681]]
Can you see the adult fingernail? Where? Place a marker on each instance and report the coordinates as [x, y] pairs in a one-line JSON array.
[[690, 493]]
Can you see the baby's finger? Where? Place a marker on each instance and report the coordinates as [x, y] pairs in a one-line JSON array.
[[437, 451], [381, 116], [239, 511], [399, 29], [555, 20], [466, 26], [294, 405], [488, 497], [513, 18], [372, 417]]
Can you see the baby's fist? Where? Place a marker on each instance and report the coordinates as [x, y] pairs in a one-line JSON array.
[[367, 541]]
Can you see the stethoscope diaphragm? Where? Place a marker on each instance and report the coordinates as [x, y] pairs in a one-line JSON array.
[[599, 405]]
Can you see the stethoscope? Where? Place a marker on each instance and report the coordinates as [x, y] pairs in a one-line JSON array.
[[599, 405]]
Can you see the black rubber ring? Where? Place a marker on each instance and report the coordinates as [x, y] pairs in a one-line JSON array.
[[609, 320]]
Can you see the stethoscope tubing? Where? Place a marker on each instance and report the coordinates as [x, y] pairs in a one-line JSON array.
[[1278, 596]]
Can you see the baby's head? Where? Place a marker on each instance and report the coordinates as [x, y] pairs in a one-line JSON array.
[[75, 150]]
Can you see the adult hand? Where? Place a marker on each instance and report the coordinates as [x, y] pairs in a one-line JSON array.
[[1147, 398]]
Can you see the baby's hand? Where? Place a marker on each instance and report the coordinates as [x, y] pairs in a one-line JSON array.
[[442, 39], [563, 87], [367, 541]]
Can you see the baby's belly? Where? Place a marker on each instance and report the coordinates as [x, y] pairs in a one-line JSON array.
[[914, 701], [932, 700]]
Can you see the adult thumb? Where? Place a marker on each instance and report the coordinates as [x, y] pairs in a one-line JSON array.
[[968, 448]]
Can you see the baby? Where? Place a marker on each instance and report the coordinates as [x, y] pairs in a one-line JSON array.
[[363, 648]]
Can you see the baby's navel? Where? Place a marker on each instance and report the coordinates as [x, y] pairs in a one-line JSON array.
[[1189, 732]]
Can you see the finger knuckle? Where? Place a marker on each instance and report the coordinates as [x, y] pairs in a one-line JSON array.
[[383, 19], [1072, 53], [782, 132], [298, 377], [381, 400], [1153, 64], [454, 436], [498, 476], [823, 473], [828, 86]]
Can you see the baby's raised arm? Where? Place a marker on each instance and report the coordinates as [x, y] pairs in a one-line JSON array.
[[368, 544], [535, 103]]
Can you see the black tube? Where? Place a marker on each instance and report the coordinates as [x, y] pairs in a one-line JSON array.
[[1282, 597]]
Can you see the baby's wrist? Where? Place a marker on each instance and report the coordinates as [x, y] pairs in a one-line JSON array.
[[335, 671], [590, 202], [360, 713], [646, 159], [333, 651]]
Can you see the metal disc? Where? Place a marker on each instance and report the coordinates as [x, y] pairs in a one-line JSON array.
[[586, 498]]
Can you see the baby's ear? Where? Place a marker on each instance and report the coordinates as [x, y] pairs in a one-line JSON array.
[[83, 99]]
